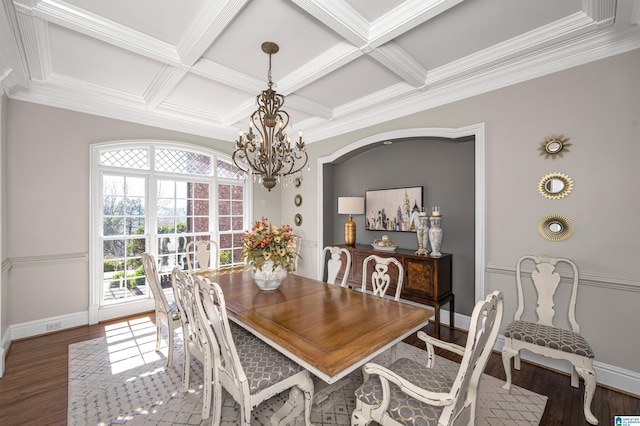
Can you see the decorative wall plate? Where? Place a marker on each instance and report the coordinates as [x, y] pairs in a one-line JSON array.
[[555, 186], [297, 219], [555, 227], [297, 200], [554, 146]]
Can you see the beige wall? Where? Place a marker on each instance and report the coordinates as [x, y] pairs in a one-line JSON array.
[[597, 105], [48, 203]]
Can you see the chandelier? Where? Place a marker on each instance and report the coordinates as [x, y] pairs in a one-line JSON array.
[[266, 151]]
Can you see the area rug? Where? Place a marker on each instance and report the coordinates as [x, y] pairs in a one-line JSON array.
[[120, 379]]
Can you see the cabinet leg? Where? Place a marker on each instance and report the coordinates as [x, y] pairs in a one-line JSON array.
[[437, 321], [451, 313]]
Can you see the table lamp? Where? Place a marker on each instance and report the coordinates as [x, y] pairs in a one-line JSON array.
[[350, 206]]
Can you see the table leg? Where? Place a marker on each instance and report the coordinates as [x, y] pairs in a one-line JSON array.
[[291, 409], [437, 321]]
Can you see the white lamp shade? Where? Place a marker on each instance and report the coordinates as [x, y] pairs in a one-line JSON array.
[[350, 205]]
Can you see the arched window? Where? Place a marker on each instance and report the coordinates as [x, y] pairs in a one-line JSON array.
[[157, 197]]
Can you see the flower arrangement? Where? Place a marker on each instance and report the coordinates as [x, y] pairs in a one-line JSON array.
[[268, 242]]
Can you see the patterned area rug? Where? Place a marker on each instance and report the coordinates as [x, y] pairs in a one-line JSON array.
[[120, 379]]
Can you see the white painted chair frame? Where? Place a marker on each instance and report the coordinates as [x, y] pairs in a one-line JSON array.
[[332, 266], [228, 372], [546, 281], [460, 401], [205, 254], [297, 246], [380, 278], [166, 312], [193, 335]]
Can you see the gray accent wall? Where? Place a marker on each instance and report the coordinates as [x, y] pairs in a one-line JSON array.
[[444, 168]]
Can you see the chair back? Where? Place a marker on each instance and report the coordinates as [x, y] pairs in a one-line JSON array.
[[153, 280], [211, 307], [332, 266], [192, 326], [483, 332], [297, 246], [202, 254], [380, 277], [546, 281]]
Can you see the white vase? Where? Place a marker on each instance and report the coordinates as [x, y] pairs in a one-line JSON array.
[[435, 236], [269, 278]]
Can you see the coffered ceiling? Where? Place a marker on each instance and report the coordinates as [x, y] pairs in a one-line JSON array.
[[196, 65]]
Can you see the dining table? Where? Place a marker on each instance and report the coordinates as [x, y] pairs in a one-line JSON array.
[[327, 329]]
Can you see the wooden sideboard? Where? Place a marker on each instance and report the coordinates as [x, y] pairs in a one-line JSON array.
[[427, 279]]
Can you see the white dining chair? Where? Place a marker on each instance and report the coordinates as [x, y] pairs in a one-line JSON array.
[[202, 254], [251, 372], [339, 260], [541, 336], [193, 335], [166, 312], [410, 393], [380, 277]]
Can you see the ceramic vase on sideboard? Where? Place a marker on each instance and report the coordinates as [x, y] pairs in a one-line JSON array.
[[435, 236]]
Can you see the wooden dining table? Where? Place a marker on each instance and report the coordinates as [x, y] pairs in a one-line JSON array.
[[329, 330]]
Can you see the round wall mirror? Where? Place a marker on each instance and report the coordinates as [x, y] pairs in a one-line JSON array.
[[555, 186], [297, 219], [554, 146], [555, 227], [297, 200]]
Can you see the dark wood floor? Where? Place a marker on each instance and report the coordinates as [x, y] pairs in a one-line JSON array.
[[33, 390]]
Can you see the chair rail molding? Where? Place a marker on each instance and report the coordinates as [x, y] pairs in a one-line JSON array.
[[475, 130], [589, 279], [31, 261]]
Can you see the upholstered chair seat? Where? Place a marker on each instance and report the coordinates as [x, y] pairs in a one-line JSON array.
[[403, 408], [550, 337]]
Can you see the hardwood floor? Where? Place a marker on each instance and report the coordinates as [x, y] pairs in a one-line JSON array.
[[33, 390]]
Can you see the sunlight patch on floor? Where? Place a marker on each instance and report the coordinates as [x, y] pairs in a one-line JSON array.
[[133, 343]]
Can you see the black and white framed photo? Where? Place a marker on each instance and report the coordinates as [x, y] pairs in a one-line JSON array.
[[393, 209]]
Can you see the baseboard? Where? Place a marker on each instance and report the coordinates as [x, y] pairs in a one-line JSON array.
[[48, 325]]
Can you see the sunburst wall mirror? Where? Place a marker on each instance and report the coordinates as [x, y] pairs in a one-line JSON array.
[[554, 146], [555, 227], [555, 186]]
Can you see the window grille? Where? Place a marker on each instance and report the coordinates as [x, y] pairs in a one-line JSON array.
[[171, 160], [129, 158]]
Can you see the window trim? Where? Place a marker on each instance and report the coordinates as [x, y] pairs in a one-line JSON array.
[[97, 312]]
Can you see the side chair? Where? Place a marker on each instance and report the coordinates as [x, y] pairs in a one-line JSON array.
[[410, 393], [166, 312], [380, 278], [381, 281], [541, 336], [332, 266], [202, 254], [194, 336], [252, 371]]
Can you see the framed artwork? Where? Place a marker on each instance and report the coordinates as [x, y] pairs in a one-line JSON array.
[[393, 209]]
